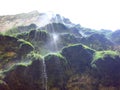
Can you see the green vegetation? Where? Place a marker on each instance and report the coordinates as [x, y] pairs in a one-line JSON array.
[[23, 42], [27, 53], [84, 46], [59, 55], [78, 57], [12, 50], [14, 66], [102, 54], [56, 55], [56, 58], [34, 56]]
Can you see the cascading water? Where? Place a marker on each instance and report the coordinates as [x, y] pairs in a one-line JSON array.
[[55, 38], [44, 75]]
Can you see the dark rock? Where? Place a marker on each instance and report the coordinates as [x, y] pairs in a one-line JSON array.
[[56, 71], [108, 70], [3, 86], [22, 77], [38, 35], [55, 28], [97, 42], [12, 49], [78, 57]]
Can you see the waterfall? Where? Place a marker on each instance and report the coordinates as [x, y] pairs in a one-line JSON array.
[[44, 75]]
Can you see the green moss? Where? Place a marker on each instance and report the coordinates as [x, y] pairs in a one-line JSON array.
[[84, 46], [102, 54], [43, 31], [14, 67], [79, 44], [56, 56], [25, 42], [34, 55]]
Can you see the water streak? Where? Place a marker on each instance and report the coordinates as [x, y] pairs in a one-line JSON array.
[[44, 75]]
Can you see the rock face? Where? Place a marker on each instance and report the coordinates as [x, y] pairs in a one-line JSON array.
[[25, 77], [55, 28], [78, 57], [106, 67], [56, 64], [98, 42], [40, 19], [115, 37], [10, 21], [60, 19], [46, 40], [61, 28], [73, 66], [77, 67], [12, 49]]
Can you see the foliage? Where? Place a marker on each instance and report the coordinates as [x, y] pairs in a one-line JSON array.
[[12, 50], [102, 54], [34, 56], [23, 35], [23, 42], [55, 55], [106, 65]]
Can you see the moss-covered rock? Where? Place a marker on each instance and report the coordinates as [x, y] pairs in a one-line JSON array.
[[34, 35], [25, 77], [97, 42], [78, 57], [107, 65], [12, 49], [56, 71], [25, 47], [38, 38]]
